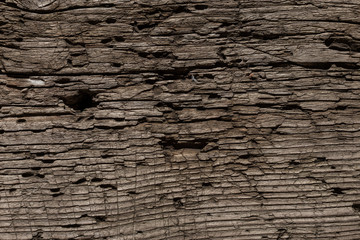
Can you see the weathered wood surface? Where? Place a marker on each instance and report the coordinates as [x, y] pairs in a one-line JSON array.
[[179, 119]]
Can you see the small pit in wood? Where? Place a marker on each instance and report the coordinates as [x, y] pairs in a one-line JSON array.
[[82, 100], [176, 144], [356, 206], [81, 180], [108, 186], [337, 190], [177, 202], [95, 179], [27, 174], [110, 20], [206, 184], [106, 40], [201, 7], [21, 120]]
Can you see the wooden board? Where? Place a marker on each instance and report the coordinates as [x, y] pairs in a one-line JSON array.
[[179, 119]]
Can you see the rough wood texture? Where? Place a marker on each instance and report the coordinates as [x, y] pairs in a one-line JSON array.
[[155, 119]]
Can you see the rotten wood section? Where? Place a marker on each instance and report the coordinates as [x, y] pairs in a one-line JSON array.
[[179, 119]]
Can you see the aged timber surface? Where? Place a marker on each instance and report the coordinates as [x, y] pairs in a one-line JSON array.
[[139, 119]]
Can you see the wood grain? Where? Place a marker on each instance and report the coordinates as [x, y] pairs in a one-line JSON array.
[[105, 134]]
